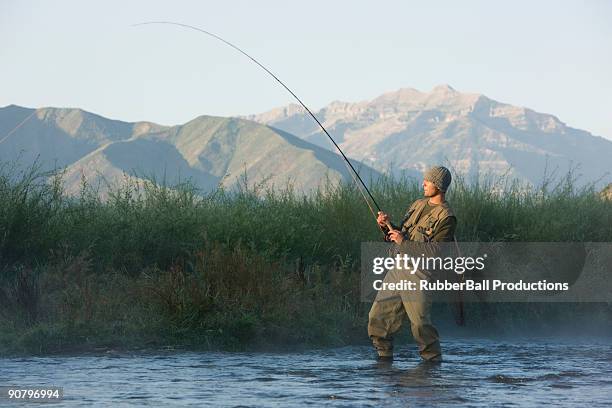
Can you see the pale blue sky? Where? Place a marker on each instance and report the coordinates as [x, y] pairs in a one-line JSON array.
[[551, 56]]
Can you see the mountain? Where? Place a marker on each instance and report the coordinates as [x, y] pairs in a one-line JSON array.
[[210, 151], [409, 130]]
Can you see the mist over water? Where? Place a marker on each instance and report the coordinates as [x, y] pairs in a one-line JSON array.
[[476, 372]]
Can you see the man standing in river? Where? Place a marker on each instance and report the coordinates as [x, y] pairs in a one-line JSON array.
[[429, 219]]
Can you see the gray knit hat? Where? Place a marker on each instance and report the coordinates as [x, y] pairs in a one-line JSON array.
[[439, 176]]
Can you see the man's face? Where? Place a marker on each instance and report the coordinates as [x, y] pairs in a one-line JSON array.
[[429, 189]]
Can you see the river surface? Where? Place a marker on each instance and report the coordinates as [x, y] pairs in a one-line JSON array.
[[475, 373]]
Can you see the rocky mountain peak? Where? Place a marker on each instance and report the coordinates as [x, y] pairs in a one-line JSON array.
[[408, 130], [444, 89]]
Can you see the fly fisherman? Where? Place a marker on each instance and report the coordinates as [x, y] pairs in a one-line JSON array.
[[429, 219]]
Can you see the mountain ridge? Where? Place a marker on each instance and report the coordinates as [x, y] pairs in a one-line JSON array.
[[211, 151], [409, 130], [402, 132]]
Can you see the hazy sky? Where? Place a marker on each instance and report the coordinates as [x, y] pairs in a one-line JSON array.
[[551, 56]]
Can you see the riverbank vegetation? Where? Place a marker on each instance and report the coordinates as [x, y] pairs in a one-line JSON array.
[[153, 266]]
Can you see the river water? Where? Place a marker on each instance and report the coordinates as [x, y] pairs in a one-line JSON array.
[[475, 372]]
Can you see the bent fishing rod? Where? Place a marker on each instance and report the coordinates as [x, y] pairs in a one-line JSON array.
[[356, 177]]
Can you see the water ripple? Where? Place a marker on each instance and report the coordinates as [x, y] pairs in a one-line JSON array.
[[475, 373]]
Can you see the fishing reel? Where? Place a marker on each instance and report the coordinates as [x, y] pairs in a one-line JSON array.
[[386, 229]]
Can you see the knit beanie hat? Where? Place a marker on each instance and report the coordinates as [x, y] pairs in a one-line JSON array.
[[439, 176]]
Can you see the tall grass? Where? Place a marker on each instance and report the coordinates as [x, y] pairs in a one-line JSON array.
[[154, 264]]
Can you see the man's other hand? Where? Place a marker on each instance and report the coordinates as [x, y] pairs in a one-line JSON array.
[[395, 236]]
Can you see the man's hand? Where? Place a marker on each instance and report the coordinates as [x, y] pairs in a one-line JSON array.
[[395, 236], [382, 219]]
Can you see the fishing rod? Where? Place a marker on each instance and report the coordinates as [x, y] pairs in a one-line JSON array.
[[356, 177], [20, 124]]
